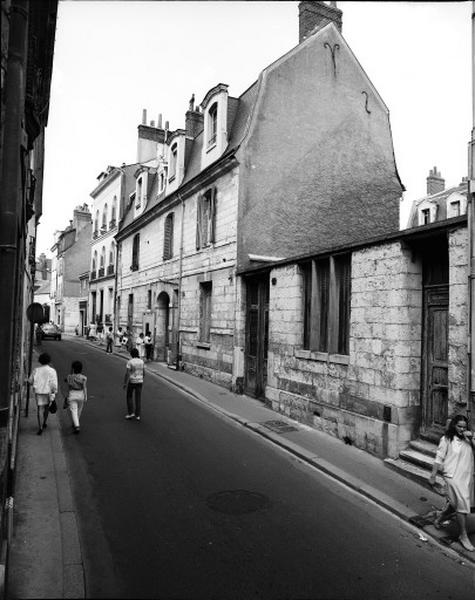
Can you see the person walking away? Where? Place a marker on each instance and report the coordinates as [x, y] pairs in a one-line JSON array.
[[77, 393], [44, 380], [455, 457], [140, 345], [148, 346], [133, 381], [109, 340]]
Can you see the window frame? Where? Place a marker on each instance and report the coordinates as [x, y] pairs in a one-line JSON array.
[[168, 234], [327, 304], [135, 252], [206, 292], [206, 212]]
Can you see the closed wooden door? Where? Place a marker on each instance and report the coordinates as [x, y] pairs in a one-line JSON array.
[[257, 327], [435, 360]]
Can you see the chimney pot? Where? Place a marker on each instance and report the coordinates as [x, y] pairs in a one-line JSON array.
[[144, 116], [159, 122], [152, 123]]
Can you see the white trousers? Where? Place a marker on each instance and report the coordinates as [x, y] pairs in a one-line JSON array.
[[76, 406]]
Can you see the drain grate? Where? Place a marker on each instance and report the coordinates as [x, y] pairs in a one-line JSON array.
[[237, 502], [279, 426]]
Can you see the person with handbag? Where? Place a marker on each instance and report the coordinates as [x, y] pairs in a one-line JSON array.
[[77, 393], [455, 458], [44, 380]]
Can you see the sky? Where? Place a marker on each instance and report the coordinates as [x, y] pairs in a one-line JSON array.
[[113, 59]]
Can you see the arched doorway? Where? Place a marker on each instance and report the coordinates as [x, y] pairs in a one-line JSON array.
[[161, 326]]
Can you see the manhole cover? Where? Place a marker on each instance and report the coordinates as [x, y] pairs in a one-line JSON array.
[[279, 426], [237, 502]]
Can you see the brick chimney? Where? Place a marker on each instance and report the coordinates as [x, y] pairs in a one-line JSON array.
[[314, 15], [149, 137], [435, 183], [193, 119]]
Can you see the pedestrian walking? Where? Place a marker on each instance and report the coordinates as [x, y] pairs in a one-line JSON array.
[[140, 345], [44, 380], [77, 393], [148, 346], [455, 457], [133, 381], [118, 337], [109, 340]]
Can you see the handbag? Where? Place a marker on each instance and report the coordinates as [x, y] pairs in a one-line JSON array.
[[53, 407]]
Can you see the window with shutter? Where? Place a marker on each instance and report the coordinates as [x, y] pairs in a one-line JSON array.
[[206, 219], [168, 237], [135, 252], [327, 288], [205, 310]]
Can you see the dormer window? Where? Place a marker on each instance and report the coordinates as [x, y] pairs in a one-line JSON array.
[[161, 182], [173, 161], [213, 124], [455, 208]]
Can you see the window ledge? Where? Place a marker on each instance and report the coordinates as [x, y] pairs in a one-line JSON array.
[[340, 359], [204, 345]]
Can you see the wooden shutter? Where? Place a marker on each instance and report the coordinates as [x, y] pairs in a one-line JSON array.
[[199, 202], [213, 211]]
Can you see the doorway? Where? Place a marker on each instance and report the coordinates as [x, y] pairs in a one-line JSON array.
[[162, 319], [435, 351], [257, 330]]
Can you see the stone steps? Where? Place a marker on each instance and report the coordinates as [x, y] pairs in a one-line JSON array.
[[416, 462]]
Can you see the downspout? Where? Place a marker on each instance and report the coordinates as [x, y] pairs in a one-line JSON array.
[[180, 277], [10, 207], [471, 240]]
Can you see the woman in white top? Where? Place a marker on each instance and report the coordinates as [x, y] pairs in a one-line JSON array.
[[44, 380], [455, 457]]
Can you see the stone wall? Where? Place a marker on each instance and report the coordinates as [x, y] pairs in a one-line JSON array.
[[458, 320], [371, 397]]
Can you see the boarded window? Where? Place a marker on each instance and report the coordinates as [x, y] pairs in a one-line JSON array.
[[205, 310], [327, 287], [135, 252], [168, 237], [206, 219]]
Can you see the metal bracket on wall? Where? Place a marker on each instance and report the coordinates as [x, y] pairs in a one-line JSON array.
[[332, 51], [366, 102]]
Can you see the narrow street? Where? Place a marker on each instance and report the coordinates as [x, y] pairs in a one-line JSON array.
[[186, 504]]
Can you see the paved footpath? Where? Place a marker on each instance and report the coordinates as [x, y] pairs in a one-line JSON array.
[[46, 543]]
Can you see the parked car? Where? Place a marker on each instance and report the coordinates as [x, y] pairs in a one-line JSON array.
[[50, 330]]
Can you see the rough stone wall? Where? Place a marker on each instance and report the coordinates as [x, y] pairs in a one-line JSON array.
[[458, 320], [371, 396]]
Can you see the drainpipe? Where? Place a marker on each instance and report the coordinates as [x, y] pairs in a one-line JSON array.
[[10, 206], [119, 218], [180, 276], [471, 237]]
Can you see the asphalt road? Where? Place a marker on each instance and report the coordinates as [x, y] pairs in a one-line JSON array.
[[188, 505]]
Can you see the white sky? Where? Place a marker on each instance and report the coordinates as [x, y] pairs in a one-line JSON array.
[[112, 59]]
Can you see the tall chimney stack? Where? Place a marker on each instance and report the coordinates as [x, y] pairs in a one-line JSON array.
[[435, 183], [313, 15]]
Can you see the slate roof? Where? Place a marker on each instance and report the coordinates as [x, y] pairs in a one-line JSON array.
[[439, 199]]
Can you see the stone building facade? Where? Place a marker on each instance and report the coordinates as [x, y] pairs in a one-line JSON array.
[[71, 258], [270, 174], [405, 369]]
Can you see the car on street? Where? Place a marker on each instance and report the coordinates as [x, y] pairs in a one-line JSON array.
[[50, 330]]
